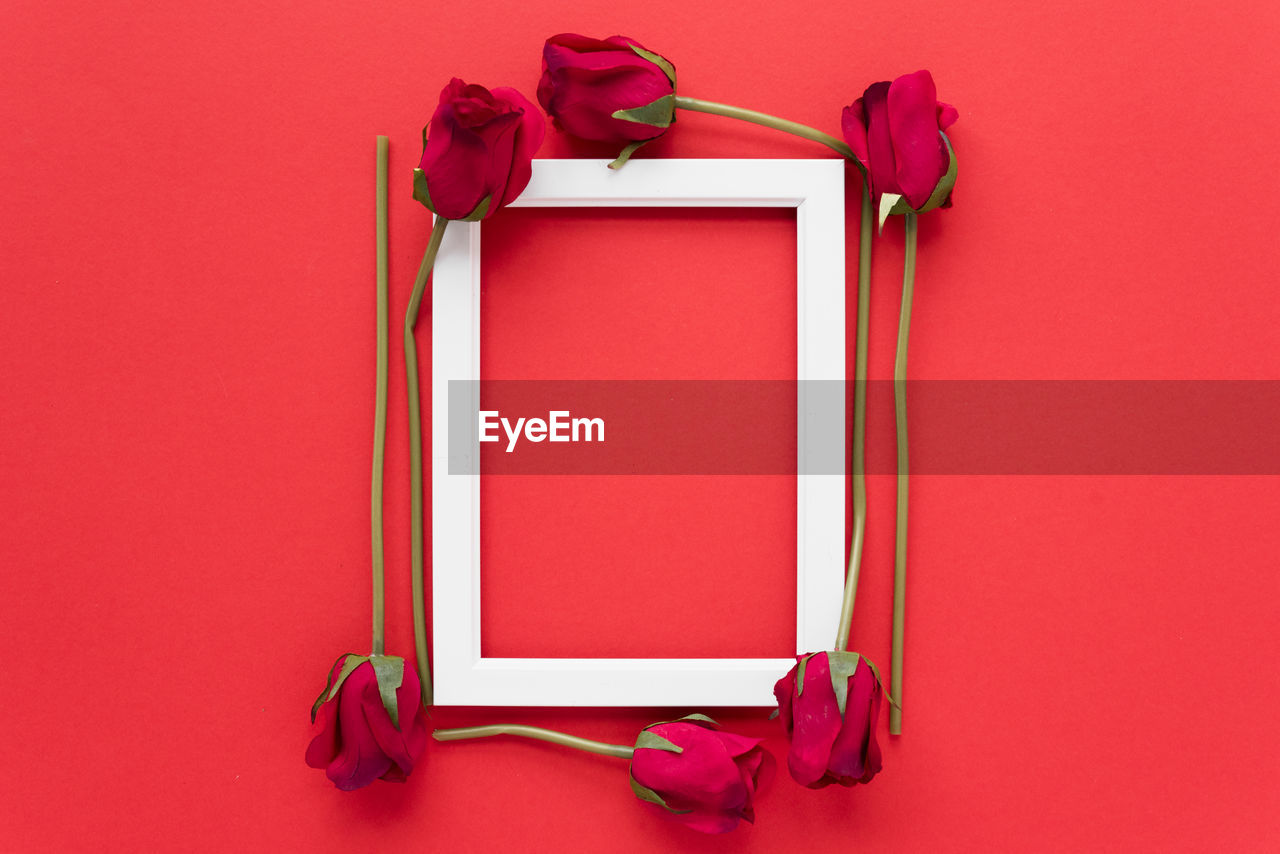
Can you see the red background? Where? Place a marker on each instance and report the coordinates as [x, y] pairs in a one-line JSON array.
[[186, 371]]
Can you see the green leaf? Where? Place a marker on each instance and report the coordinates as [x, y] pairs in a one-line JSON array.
[[626, 153], [420, 189], [660, 113], [644, 793], [654, 741], [842, 665], [774, 714], [389, 671], [660, 61], [800, 668], [480, 210], [332, 687]]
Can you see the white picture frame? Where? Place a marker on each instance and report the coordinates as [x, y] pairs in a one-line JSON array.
[[462, 676]]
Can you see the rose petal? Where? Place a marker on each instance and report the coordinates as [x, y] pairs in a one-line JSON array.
[[947, 116], [849, 752], [881, 165], [783, 691], [405, 745], [736, 745], [605, 58], [584, 101], [359, 761], [817, 724], [454, 164], [919, 153], [528, 140], [853, 122], [324, 747], [708, 822], [873, 761]]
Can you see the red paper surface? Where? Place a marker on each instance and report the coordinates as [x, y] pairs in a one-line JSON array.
[[187, 375]]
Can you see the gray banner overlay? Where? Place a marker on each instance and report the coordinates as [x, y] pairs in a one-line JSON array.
[[957, 427]]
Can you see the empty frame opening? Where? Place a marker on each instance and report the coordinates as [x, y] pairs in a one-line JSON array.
[[630, 563]]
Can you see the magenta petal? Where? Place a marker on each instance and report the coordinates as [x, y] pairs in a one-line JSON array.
[[359, 761], [500, 141], [736, 745], [454, 163], [584, 101], [528, 140], [873, 762], [817, 724], [881, 165], [848, 754], [708, 822], [756, 769], [324, 747], [405, 745], [783, 691], [947, 116], [853, 122], [913, 125]]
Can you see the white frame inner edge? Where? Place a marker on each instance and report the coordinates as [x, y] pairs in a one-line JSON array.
[[815, 189]]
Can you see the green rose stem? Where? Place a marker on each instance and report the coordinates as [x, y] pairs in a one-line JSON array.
[[858, 463], [619, 750], [380, 409], [900, 416], [700, 106], [415, 456]]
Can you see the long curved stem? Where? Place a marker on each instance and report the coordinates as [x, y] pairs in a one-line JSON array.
[[380, 409], [900, 415], [700, 106], [415, 456], [618, 750], [859, 422]]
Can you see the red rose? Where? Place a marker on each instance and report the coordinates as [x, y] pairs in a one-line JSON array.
[[705, 778], [477, 151], [829, 703], [587, 82], [372, 722], [895, 130]]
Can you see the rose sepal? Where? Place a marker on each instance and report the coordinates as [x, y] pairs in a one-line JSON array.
[[422, 194], [896, 204], [841, 665], [388, 671], [659, 113], [420, 191], [658, 60]]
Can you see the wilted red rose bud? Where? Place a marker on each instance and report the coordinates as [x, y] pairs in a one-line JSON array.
[[703, 777], [609, 90], [372, 722], [829, 703], [477, 151]]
